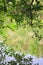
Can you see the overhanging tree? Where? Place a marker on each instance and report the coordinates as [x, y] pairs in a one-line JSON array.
[[20, 10]]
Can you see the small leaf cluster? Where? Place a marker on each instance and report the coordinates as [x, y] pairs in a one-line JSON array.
[[10, 57]]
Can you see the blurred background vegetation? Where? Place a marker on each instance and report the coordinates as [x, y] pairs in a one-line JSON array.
[[21, 25]]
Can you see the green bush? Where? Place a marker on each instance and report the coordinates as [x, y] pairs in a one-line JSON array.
[[9, 57]]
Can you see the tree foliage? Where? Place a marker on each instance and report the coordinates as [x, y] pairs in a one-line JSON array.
[[10, 57], [21, 10]]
